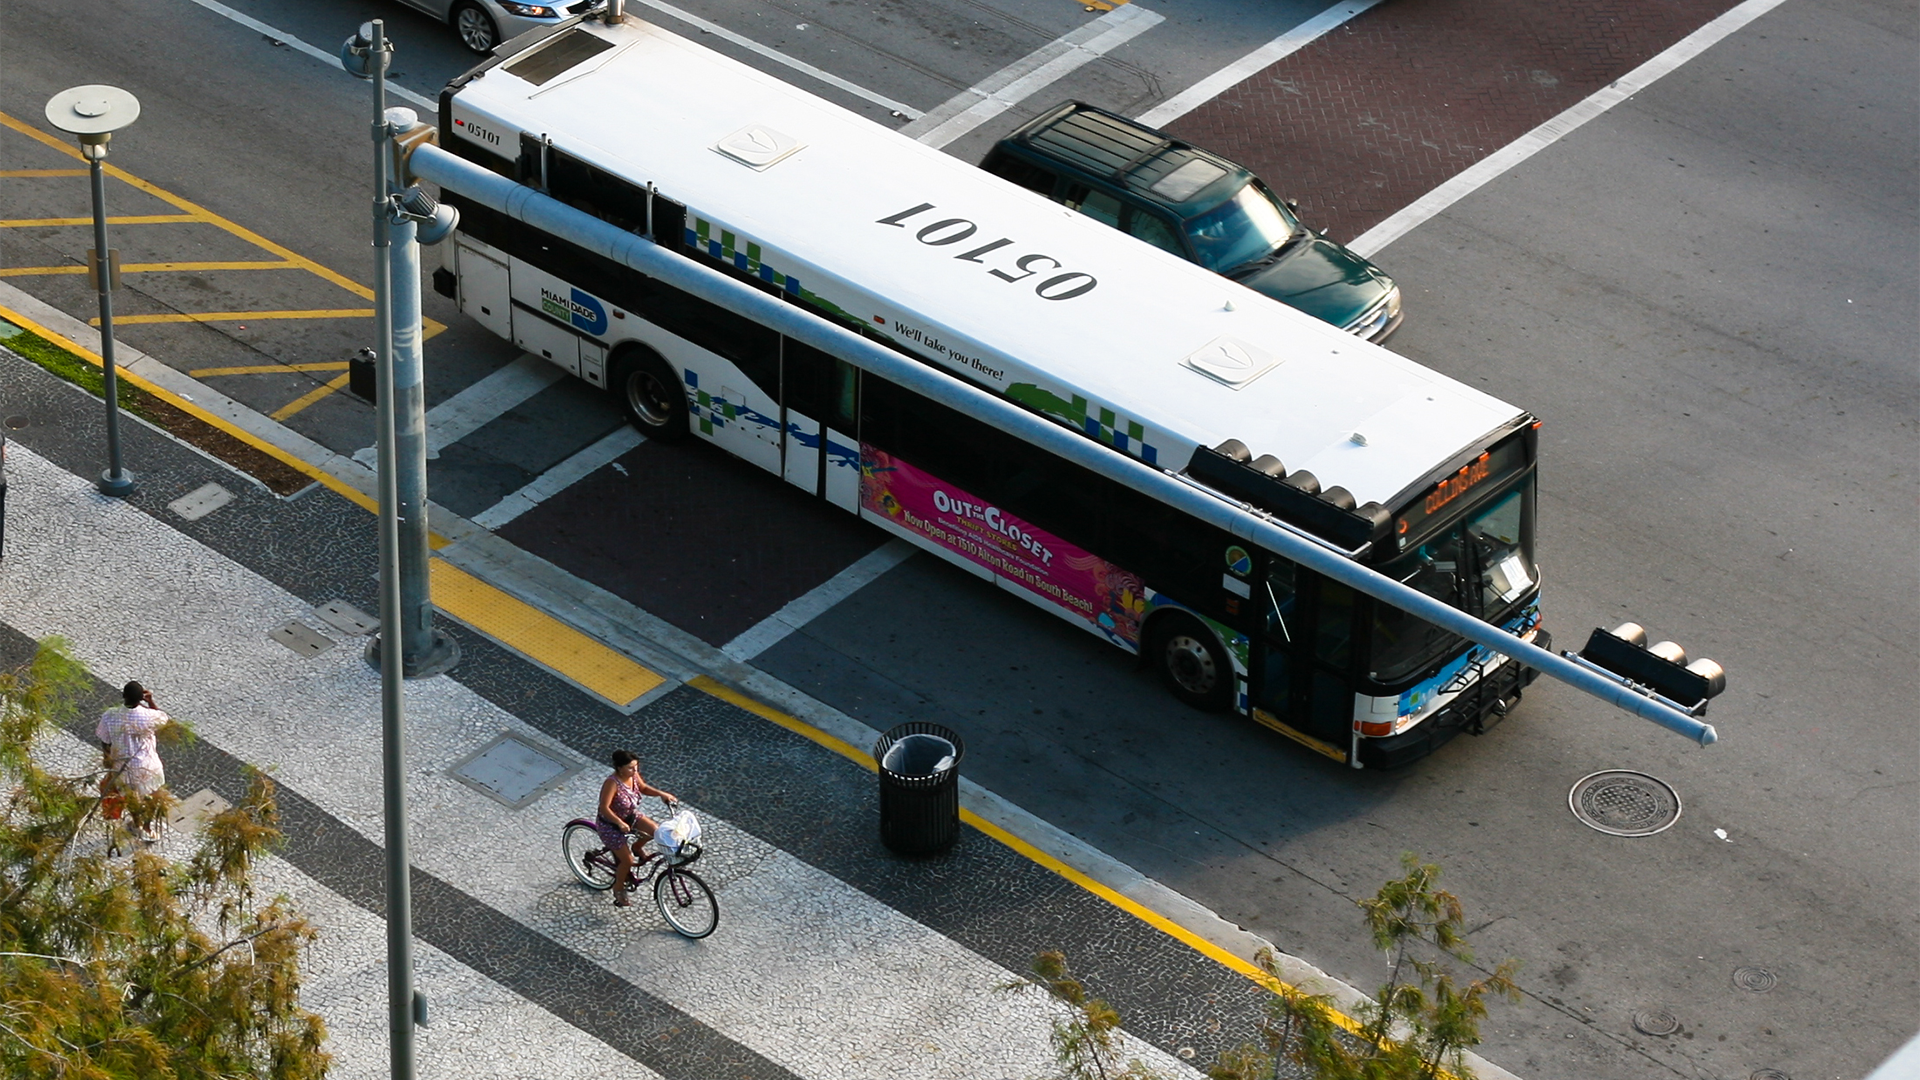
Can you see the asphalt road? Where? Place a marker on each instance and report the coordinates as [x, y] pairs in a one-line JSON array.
[[1708, 294]]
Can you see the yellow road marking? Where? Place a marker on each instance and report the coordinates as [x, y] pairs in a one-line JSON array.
[[239, 316], [147, 268], [126, 219], [30, 173], [270, 369], [311, 396], [539, 636], [199, 213], [195, 209]]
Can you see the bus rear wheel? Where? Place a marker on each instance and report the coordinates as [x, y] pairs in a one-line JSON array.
[[651, 395], [1192, 663]]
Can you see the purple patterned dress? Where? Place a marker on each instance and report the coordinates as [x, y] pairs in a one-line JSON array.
[[626, 806]]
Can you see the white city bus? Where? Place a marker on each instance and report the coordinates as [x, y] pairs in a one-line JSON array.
[[1402, 468]]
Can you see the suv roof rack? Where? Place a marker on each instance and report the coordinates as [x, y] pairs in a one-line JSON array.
[[1101, 142]]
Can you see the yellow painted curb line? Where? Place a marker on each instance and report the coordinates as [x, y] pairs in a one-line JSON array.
[[334, 483], [708, 685], [538, 636]]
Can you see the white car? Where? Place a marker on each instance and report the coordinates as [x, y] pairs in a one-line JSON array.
[[483, 24]]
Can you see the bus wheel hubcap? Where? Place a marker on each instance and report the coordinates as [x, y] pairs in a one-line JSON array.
[[644, 395], [1191, 664]]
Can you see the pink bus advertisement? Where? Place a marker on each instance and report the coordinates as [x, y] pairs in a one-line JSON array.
[[1104, 596]]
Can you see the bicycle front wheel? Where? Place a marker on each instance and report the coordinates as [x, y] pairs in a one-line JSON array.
[[587, 856], [686, 902]]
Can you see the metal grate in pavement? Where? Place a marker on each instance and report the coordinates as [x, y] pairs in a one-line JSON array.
[[201, 501], [346, 618], [514, 771], [302, 639]]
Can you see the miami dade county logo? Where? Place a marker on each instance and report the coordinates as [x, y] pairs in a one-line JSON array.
[[1238, 561], [583, 312]]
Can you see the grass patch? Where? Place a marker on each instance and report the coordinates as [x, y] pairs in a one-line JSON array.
[[63, 364], [279, 477]]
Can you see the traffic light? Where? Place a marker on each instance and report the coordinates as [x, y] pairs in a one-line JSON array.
[[1661, 668]]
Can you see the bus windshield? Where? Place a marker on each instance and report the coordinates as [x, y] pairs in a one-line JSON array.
[[1482, 564]]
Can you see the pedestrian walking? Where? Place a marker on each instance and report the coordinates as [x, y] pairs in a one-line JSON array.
[[130, 749]]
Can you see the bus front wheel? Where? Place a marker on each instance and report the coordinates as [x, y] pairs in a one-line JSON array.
[[651, 395], [1192, 662]]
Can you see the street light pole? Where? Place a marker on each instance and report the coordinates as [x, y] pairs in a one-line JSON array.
[[94, 113], [370, 48]]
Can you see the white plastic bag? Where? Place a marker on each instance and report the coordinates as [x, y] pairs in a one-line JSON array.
[[676, 832]]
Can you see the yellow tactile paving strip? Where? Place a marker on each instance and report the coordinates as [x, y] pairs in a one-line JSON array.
[[538, 636]]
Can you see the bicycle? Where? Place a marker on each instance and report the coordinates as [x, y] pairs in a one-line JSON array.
[[685, 901]]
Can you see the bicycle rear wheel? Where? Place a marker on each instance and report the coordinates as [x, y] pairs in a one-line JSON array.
[[686, 902], [587, 856]]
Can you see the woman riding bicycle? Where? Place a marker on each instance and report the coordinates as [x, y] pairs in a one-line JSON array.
[[620, 822]]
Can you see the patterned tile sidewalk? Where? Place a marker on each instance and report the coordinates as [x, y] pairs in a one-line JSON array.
[[834, 959], [810, 974], [1386, 107]]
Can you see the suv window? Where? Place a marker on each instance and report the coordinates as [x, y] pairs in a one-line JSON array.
[[1155, 230], [1022, 172], [1098, 205]]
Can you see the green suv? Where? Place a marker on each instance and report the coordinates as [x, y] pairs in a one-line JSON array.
[[1199, 206]]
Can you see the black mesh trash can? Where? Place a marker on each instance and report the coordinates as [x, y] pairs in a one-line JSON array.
[[919, 788]]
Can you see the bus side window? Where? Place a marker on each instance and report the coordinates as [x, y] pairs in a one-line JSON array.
[[595, 191], [1280, 599], [753, 348], [845, 413], [804, 376], [1333, 634], [529, 172]]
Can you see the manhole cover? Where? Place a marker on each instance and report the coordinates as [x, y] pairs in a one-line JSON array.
[[17, 422], [1757, 979], [1622, 803], [1768, 1074], [514, 771], [1655, 1022]]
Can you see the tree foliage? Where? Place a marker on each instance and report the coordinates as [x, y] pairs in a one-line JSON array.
[[116, 962], [1086, 1044], [1417, 1026]]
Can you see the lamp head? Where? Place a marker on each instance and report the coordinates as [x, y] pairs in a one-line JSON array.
[[358, 54], [92, 113]]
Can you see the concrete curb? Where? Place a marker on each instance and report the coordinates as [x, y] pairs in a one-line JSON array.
[[682, 657]]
